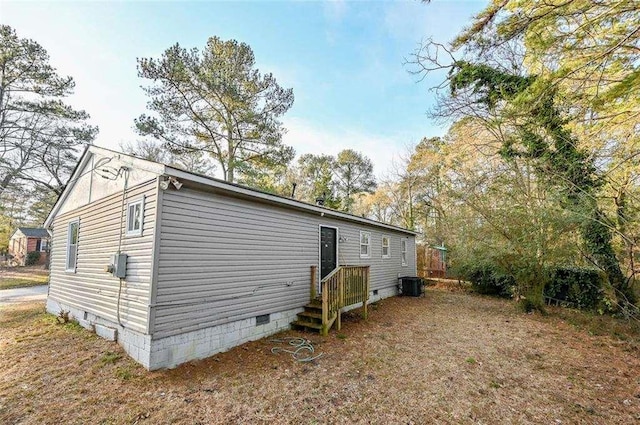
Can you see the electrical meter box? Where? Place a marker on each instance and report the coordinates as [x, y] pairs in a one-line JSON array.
[[119, 262]]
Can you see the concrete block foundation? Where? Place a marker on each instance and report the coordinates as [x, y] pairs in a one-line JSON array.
[[172, 351]]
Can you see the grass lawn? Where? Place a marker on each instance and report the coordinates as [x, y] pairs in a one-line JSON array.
[[449, 358], [18, 277]]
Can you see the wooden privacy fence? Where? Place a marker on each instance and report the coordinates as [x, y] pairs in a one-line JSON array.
[[344, 286]]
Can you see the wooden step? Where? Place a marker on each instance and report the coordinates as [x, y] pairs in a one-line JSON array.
[[311, 314], [304, 325], [313, 307]]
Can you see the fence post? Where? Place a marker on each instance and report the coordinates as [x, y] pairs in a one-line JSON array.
[[340, 297], [314, 291], [325, 309], [366, 293]]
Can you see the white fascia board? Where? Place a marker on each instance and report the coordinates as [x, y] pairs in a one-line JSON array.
[[275, 199]]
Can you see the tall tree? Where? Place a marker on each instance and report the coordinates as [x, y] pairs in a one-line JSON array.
[[423, 178], [586, 53], [315, 179], [195, 161], [378, 205], [147, 149], [353, 174], [39, 133], [215, 100], [571, 59]]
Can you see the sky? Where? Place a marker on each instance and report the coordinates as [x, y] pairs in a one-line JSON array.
[[343, 59]]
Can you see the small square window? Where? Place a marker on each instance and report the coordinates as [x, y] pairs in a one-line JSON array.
[[135, 215], [365, 245], [386, 250]]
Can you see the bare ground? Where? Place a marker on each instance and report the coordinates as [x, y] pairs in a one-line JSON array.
[[447, 358]]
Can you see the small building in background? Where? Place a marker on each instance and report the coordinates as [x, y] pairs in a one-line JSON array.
[[432, 261], [26, 240]]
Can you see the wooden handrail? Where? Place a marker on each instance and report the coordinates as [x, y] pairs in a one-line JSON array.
[[333, 273], [344, 286]]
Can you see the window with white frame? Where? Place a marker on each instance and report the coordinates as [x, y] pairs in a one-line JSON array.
[[44, 244], [403, 251], [72, 245], [135, 212], [386, 250], [365, 244]]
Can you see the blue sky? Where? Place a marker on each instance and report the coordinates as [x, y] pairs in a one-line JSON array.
[[344, 60]]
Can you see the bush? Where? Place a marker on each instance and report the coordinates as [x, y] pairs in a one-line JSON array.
[[579, 286], [488, 279], [32, 258]]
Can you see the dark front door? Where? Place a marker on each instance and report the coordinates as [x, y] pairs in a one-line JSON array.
[[328, 251]]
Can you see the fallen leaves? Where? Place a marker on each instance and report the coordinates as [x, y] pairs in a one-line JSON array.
[[446, 358]]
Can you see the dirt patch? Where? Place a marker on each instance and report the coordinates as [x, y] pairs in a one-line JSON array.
[[18, 277], [446, 358]]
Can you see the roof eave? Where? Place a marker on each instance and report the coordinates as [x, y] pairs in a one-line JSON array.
[[286, 202]]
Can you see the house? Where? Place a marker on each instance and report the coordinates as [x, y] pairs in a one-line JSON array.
[[26, 240], [177, 266], [432, 261]]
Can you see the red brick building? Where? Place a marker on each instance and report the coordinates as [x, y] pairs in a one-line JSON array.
[[29, 239]]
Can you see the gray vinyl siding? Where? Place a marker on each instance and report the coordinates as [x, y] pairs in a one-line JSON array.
[[90, 288], [223, 259]]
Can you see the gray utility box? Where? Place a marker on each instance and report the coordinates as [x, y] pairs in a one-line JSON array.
[[119, 262]]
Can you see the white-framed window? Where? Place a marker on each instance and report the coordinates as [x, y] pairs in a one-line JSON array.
[[386, 249], [365, 244], [135, 215], [403, 251], [44, 244], [72, 245]]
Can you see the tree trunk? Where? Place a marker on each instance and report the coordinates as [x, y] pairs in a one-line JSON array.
[[230, 156], [4, 183], [598, 239]]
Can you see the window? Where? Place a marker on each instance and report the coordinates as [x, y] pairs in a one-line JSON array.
[[386, 252], [365, 245], [135, 212], [403, 251], [42, 245], [72, 245]]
